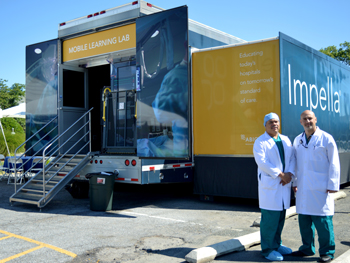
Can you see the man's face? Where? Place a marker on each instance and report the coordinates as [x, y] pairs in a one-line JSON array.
[[308, 120], [272, 126]]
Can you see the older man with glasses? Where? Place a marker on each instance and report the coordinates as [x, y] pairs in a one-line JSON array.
[[274, 155]]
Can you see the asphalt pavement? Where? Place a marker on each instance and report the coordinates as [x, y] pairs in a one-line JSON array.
[[291, 238], [146, 224]]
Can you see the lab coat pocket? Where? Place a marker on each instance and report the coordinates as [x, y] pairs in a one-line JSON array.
[[320, 153], [319, 159], [318, 181], [267, 182]]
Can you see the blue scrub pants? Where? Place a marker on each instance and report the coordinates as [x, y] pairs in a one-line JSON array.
[[324, 227], [271, 226]]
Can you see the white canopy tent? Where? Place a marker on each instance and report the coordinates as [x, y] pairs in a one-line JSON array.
[[18, 111]]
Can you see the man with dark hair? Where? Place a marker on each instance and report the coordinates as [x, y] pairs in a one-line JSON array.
[[274, 155]]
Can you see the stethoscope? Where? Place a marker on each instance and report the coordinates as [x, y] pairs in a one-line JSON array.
[[301, 142]]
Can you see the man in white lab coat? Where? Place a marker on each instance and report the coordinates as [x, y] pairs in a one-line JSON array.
[[274, 155], [317, 175]]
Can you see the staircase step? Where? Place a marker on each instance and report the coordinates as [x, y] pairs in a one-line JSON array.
[[66, 159], [54, 170], [39, 186], [28, 196], [31, 190], [53, 181], [71, 163], [23, 200], [56, 177]]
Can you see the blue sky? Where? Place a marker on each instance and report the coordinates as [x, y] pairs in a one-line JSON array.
[[316, 23]]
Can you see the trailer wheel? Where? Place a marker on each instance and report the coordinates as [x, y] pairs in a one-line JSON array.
[[78, 189]]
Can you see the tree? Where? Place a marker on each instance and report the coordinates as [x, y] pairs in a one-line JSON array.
[[10, 97], [342, 54]]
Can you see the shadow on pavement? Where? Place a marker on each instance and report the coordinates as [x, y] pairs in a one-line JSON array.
[[126, 196]]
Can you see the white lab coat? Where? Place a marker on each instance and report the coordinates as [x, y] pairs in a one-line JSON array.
[[317, 170], [272, 195]]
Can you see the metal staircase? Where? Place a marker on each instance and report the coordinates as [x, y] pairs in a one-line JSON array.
[[62, 159]]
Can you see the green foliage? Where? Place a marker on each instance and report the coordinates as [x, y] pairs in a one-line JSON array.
[[10, 97], [9, 123], [342, 54], [13, 141], [22, 122]]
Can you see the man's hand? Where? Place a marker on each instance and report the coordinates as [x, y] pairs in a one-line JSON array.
[[295, 189], [285, 178]]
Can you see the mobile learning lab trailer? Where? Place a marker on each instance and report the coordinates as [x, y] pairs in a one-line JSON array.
[[113, 92], [234, 86]]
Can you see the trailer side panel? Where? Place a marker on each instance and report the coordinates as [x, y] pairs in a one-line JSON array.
[[311, 80]]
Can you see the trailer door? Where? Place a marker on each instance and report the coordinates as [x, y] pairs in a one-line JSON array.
[[41, 94], [73, 103], [163, 88]]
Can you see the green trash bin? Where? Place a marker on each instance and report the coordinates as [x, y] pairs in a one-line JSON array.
[[101, 190]]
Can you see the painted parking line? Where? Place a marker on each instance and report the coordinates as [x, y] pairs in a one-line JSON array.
[[159, 217], [170, 219], [40, 245], [20, 254]]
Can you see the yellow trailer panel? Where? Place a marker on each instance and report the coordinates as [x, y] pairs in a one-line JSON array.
[[233, 88]]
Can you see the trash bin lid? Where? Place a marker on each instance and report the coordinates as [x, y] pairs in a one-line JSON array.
[[88, 176]]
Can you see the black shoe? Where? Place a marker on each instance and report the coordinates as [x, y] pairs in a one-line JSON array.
[[299, 253], [324, 259]]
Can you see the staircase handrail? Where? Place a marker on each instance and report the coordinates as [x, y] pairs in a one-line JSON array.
[[68, 140], [15, 153], [57, 150], [45, 182], [35, 135], [58, 159], [88, 122], [33, 156]]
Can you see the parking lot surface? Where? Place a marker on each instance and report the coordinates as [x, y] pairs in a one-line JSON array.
[[155, 223]]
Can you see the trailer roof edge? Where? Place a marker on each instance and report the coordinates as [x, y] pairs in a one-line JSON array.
[[234, 45]]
